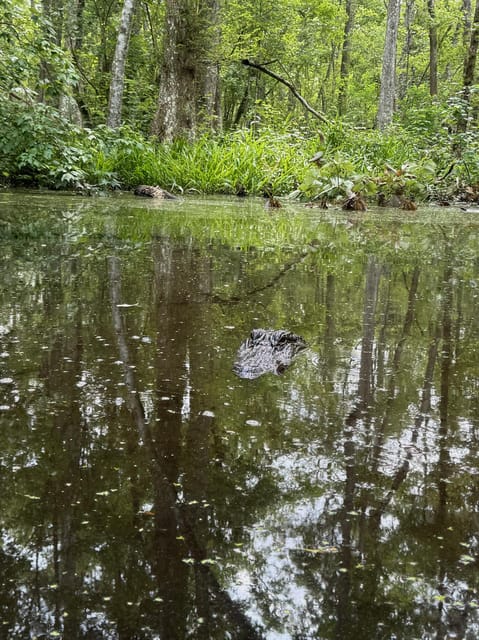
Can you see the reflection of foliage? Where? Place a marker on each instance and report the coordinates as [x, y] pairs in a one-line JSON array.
[[269, 478]]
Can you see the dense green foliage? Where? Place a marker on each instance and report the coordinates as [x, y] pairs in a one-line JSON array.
[[55, 67], [43, 149]]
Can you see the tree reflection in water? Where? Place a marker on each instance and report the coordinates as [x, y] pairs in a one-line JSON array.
[[151, 493]]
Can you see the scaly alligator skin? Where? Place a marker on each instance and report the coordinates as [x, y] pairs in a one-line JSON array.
[[267, 351]]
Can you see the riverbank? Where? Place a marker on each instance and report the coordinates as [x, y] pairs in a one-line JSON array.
[[421, 168]]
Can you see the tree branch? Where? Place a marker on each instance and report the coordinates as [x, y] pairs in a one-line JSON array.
[[306, 105]]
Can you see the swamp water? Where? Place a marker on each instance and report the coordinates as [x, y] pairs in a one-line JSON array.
[[150, 493]]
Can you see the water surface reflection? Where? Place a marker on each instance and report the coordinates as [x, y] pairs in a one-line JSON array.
[[148, 492]]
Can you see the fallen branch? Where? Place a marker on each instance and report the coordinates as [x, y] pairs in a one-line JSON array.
[[288, 84]]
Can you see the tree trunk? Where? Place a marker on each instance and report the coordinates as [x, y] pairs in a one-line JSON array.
[[189, 74], [404, 75], [74, 24], [72, 105], [53, 33], [466, 27], [471, 55], [432, 48], [346, 57], [210, 115], [388, 74], [176, 113], [365, 386], [209, 106], [117, 82], [469, 67]]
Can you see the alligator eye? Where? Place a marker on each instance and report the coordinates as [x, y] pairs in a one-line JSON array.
[[280, 368]]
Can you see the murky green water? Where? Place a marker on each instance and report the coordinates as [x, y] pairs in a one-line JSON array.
[[149, 493]]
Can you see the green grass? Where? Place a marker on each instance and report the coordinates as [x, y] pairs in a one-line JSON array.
[[264, 160], [215, 165]]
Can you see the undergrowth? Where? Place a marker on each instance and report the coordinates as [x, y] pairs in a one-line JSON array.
[[39, 148]]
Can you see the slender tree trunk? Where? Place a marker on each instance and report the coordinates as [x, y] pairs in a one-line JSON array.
[[373, 276], [471, 55], [210, 100], [243, 105], [71, 103], [210, 115], [388, 74], [466, 27], [117, 82], [432, 47], [53, 33], [404, 75], [346, 57], [74, 24], [469, 67]]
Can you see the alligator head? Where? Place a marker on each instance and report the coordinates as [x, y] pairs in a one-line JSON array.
[[267, 351]]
